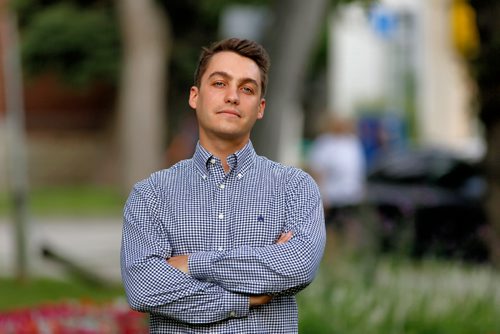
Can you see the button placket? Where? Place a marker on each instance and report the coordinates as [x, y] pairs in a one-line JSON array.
[[220, 206]]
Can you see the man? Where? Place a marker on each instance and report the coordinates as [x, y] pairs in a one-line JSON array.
[[221, 242]]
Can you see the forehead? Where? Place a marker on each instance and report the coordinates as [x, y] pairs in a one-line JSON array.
[[236, 66]]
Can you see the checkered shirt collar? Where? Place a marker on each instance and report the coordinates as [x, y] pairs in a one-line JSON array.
[[239, 161]]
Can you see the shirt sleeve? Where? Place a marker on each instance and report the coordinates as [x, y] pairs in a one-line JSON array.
[[152, 285], [277, 268]]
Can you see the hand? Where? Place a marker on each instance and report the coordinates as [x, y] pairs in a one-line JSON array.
[[259, 300], [284, 237], [180, 262]]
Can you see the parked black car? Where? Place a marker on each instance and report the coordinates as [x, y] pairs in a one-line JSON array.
[[431, 201]]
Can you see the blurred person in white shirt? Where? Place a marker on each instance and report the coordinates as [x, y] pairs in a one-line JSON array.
[[338, 164]]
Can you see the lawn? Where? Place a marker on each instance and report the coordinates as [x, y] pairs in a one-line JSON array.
[[70, 201], [39, 291]]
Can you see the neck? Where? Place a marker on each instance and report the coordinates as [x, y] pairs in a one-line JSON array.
[[221, 149]]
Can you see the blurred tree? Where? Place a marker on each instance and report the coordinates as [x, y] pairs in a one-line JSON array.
[[15, 140], [487, 72], [291, 43], [76, 39], [146, 49], [295, 46]]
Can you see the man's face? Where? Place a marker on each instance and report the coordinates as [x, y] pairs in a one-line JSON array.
[[228, 101]]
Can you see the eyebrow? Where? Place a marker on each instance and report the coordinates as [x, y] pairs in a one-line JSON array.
[[228, 76]]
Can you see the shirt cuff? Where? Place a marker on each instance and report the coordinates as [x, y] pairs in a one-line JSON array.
[[199, 265], [238, 306]]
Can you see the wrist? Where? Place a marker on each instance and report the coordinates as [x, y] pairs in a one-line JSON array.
[[199, 265]]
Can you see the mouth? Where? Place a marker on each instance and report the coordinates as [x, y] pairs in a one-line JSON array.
[[230, 112]]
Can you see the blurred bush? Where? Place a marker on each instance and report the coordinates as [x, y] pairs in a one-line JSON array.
[[77, 40], [366, 295]]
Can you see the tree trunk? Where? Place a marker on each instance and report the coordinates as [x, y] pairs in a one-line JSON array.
[[16, 141], [293, 38], [142, 97], [488, 80]]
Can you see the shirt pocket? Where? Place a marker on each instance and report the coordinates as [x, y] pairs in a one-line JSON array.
[[257, 227]]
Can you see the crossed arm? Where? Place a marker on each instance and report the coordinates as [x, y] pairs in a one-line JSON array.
[[204, 287], [154, 285], [181, 262]]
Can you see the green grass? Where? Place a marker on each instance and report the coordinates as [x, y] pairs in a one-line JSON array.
[[81, 201], [401, 297], [67, 201], [15, 295]]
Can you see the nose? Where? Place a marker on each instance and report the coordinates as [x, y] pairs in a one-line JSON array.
[[232, 96]]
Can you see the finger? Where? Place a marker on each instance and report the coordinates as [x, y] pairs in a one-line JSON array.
[[284, 237]]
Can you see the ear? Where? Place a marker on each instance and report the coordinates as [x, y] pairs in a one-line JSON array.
[[193, 97], [262, 107]]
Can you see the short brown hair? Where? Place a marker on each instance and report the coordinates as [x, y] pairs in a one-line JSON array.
[[243, 47]]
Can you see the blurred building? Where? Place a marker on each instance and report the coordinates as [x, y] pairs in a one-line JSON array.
[[400, 61], [68, 132]]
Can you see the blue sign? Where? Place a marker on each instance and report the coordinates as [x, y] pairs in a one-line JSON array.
[[384, 21]]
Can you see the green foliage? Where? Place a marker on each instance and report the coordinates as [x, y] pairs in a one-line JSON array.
[[79, 43], [401, 297]]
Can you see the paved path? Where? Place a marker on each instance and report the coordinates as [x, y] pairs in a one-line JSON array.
[[93, 243]]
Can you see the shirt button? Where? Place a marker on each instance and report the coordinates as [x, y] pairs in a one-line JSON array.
[[232, 314], [220, 249], [239, 176], [221, 216], [222, 186], [212, 161]]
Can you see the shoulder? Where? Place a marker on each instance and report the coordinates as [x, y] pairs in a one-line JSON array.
[[159, 186], [166, 178], [289, 175]]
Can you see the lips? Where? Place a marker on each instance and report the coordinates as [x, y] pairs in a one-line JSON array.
[[230, 112]]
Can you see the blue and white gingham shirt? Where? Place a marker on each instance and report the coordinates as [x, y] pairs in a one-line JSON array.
[[228, 223]]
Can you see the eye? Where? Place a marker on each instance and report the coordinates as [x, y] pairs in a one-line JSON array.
[[247, 90], [218, 84]]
